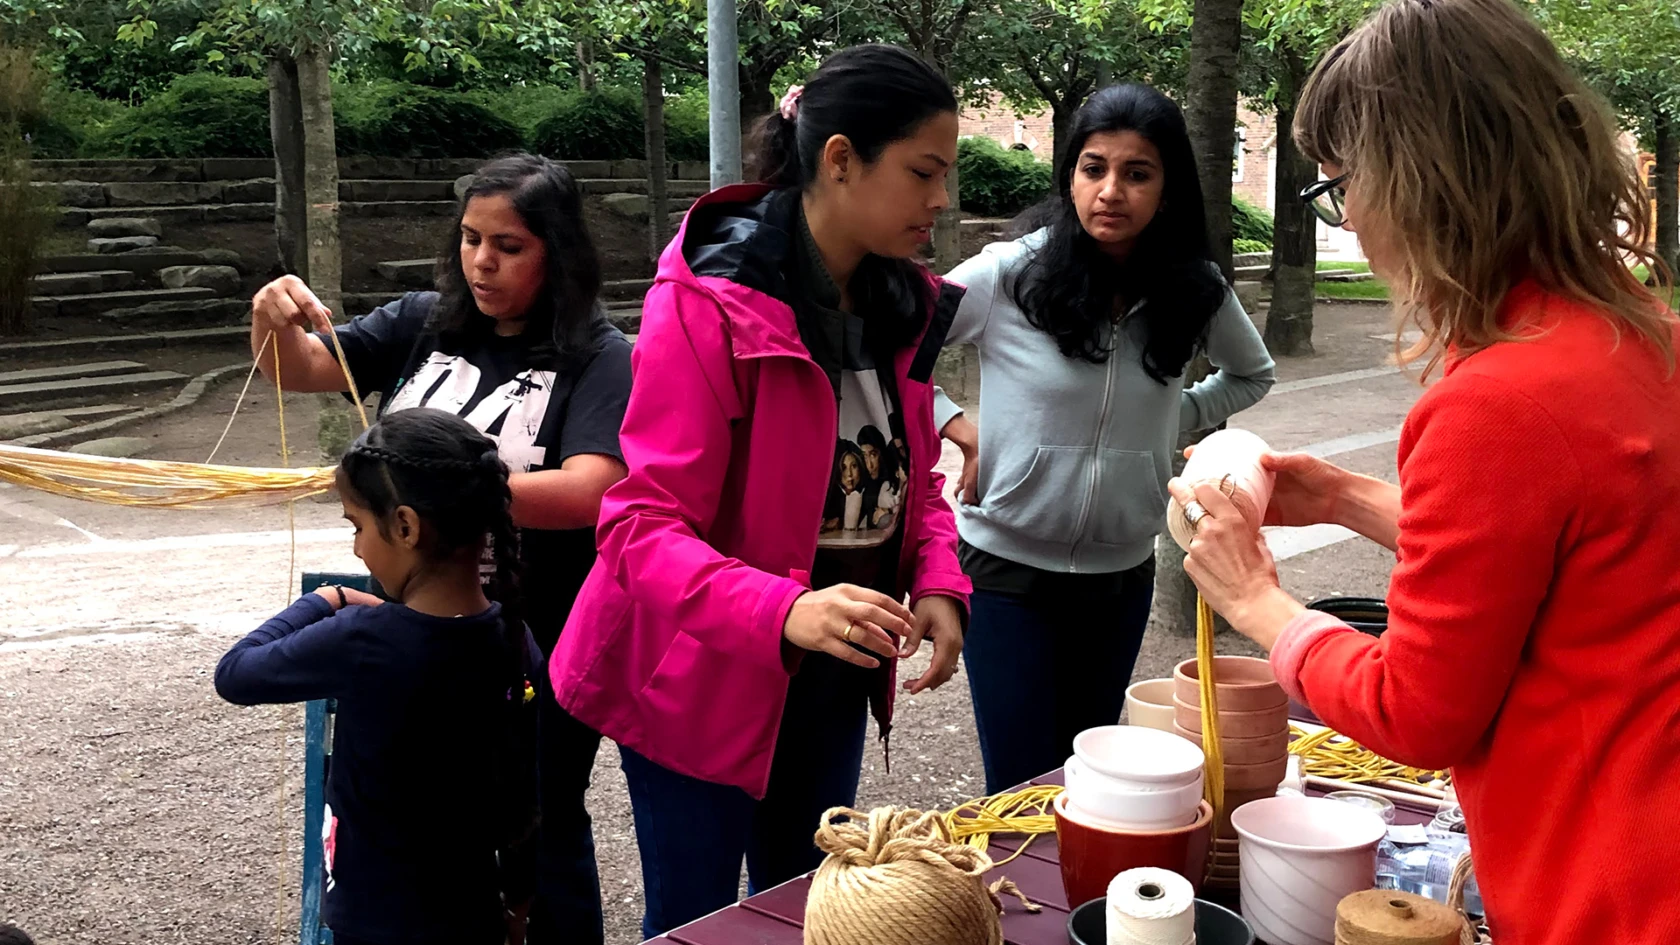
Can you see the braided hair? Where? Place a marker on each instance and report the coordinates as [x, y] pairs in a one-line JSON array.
[[451, 475]]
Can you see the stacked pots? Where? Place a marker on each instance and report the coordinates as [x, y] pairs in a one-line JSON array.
[[1133, 799], [1253, 735]]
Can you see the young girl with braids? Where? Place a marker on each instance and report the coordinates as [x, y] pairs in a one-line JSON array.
[[431, 790]]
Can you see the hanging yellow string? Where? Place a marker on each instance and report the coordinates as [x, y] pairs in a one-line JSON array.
[[1213, 784], [1026, 811]]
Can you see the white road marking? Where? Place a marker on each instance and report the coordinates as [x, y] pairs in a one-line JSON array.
[[1287, 543], [305, 536], [1325, 380]]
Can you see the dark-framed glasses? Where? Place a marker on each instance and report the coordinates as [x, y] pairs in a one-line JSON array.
[[1327, 198]]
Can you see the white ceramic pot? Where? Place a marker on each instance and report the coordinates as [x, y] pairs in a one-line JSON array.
[[1138, 757], [1113, 803], [1150, 704], [1300, 856]]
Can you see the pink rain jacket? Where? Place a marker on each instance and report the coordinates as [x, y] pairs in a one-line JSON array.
[[674, 647]]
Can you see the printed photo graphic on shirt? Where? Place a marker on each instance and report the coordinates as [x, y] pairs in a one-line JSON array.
[[871, 468], [511, 414], [329, 843]]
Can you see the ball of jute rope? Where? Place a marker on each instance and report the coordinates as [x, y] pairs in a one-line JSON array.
[[895, 877]]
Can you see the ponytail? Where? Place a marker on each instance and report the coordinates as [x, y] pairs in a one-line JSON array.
[[776, 154]]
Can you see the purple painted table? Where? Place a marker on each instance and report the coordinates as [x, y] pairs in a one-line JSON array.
[[777, 916]]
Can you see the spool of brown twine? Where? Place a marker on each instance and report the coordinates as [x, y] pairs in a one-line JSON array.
[[895, 877], [1392, 917]]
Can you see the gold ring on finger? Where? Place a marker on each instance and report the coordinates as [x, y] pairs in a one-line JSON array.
[[847, 636]]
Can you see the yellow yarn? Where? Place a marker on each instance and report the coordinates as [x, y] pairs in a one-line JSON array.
[[1213, 784], [160, 484], [897, 877], [1330, 754], [1026, 811]]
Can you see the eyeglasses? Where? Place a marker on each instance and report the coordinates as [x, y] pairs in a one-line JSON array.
[[1327, 198]]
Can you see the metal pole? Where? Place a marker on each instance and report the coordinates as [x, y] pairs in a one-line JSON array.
[[723, 88]]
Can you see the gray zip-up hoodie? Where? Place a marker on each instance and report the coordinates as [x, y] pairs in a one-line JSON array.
[[1075, 457]]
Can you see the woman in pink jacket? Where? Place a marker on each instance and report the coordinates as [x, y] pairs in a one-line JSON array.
[[746, 611]]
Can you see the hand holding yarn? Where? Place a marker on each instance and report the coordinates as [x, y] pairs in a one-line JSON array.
[[1231, 565]]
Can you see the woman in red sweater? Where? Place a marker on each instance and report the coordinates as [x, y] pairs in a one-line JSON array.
[[1534, 633]]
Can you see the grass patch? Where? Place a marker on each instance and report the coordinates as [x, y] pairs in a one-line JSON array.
[[1324, 265], [1373, 290]]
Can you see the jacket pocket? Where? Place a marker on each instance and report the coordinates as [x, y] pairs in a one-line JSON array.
[[1129, 505], [1047, 501]]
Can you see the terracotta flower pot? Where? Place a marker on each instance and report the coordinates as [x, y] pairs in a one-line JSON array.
[[1233, 723], [1244, 751], [1092, 856], [1150, 703], [1245, 684]]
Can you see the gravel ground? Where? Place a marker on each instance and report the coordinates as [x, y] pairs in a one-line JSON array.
[[136, 807]]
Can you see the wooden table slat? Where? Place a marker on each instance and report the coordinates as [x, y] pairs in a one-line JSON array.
[[1040, 880], [785, 902], [738, 926]]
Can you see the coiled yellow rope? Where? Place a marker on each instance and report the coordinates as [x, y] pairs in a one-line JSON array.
[[1026, 811], [1330, 754]]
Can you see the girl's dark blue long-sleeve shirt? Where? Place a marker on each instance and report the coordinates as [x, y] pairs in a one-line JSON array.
[[420, 755]]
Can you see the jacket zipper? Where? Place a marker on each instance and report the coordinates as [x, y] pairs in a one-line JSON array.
[[1096, 464]]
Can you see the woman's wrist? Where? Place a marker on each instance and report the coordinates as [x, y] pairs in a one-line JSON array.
[[1263, 618]]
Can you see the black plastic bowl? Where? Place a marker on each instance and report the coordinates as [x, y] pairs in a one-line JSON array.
[[1215, 925]]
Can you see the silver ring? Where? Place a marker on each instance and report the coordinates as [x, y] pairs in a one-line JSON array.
[[1193, 514]]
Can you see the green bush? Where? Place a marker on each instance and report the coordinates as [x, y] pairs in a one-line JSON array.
[[995, 182], [1250, 246], [71, 123], [601, 125], [524, 105], [198, 115], [688, 134], [1249, 222], [393, 119]]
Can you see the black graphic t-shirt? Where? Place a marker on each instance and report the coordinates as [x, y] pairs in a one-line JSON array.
[[860, 537], [539, 409]]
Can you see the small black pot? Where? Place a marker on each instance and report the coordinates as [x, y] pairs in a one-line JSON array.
[[1215, 925], [1365, 614]]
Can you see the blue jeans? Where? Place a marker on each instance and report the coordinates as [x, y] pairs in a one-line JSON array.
[[1044, 666], [693, 834], [567, 908]]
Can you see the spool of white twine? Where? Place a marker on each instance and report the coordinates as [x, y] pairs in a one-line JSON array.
[[1230, 461], [1151, 906]]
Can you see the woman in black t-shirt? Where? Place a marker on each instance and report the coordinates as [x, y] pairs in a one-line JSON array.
[[516, 342]]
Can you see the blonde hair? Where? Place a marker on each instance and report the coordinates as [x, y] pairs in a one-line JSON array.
[[1484, 161]]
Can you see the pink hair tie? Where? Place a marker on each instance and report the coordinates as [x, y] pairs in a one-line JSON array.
[[790, 102]]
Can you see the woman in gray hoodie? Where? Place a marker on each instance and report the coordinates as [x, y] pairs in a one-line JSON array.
[[1085, 328]]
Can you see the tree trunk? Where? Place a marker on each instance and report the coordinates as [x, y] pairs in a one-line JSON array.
[[1667, 187], [1175, 593], [320, 178], [1210, 110], [1061, 130], [285, 130], [1294, 230], [586, 65], [947, 229], [758, 95], [653, 122]]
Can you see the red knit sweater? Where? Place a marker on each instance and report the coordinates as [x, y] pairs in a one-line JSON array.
[[1533, 642]]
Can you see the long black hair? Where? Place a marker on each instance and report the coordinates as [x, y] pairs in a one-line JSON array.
[[550, 202], [873, 95], [1070, 286], [450, 474]]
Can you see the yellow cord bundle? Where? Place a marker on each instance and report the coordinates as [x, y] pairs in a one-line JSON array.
[[1329, 754], [897, 877], [175, 485], [1026, 811], [1213, 784]]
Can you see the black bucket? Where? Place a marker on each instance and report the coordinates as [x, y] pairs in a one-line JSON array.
[[1215, 925], [1365, 614]]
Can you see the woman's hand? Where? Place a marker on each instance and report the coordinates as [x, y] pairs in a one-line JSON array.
[[962, 431], [1306, 489], [287, 301], [834, 619], [1232, 567], [938, 619]]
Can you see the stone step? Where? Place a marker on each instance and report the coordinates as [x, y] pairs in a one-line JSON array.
[[43, 394], [378, 190], [399, 208], [189, 214], [96, 303], [83, 283], [144, 263], [125, 342], [14, 425], [1250, 260], [109, 245], [93, 369], [625, 289], [125, 226], [1346, 275], [601, 186], [408, 273], [1252, 272], [177, 314], [628, 311], [635, 206], [417, 274]]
